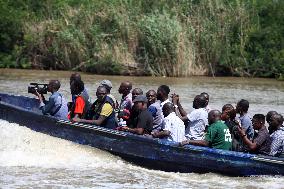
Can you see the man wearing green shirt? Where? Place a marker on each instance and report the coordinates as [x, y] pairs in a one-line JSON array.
[[217, 136]]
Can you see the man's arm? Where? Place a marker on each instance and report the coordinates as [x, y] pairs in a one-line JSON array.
[[196, 142], [46, 108], [98, 121], [161, 134]]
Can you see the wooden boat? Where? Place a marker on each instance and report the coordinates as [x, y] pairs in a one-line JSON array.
[[141, 150]]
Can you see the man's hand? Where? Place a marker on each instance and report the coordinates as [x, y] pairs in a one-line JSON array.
[[175, 99], [154, 134], [76, 119], [124, 128], [185, 142]]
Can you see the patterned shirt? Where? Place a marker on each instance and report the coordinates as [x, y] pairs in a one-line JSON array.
[[126, 102], [277, 145]]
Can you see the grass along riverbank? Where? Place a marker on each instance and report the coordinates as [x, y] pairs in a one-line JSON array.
[[163, 38]]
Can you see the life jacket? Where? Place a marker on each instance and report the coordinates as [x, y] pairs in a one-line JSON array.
[[95, 111], [86, 107]]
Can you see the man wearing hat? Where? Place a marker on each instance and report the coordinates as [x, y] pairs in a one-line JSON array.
[[108, 85], [144, 124]]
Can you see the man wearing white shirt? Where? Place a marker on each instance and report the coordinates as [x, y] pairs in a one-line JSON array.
[[173, 127], [197, 119]]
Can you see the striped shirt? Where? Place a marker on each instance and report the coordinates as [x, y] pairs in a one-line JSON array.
[[277, 145]]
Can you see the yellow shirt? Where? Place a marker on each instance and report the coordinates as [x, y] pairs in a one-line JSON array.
[[106, 110]]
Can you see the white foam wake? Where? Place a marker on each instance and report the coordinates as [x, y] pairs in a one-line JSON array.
[[21, 146]]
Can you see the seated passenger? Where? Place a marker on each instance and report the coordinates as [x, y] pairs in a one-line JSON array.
[[217, 136], [173, 127], [108, 86], [56, 105], [136, 92], [197, 119], [268, 117], [163, 95], [276, 131], [80, 105], [261, 142], [101, 112], [144, 123], [228, 116], [154, 107]]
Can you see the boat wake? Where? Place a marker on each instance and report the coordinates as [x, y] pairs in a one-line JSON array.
[[21, 146]]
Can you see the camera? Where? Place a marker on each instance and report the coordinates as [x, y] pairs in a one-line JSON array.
[[40, 88]]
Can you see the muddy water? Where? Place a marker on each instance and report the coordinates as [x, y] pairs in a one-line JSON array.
[[29, 159]]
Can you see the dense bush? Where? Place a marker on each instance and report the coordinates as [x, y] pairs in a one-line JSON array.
[[163, 37]]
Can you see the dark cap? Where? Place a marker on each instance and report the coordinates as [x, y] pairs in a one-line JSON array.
[[140, 98]]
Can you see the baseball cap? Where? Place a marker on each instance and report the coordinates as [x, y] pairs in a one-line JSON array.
[[140, 98], [106, 83]]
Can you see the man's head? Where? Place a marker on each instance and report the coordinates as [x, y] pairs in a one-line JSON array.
[[77, 86], [275, 123], [242, 106], [140, 102], [167, 109], [206, 95], [125, 88], [228, 112], [136, 92], [199, 102], [74, 76], [151, 96], [53, 86], [163, 92], [269, 115], [214, 116], [258, 121], [107, 84], [101, 93]]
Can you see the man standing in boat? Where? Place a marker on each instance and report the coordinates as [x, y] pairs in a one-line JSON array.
[[84, 93], [197, 120], [245, 120], [80, 105], [125, 102], [217, 136], [56, 105], [101, 112]]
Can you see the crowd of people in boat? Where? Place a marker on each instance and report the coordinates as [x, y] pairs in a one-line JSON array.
[[159, 114]]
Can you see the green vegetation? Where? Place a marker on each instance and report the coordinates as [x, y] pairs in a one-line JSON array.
[[145, 37]]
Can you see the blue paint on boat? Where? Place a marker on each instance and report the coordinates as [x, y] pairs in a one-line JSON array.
[[141, 150]]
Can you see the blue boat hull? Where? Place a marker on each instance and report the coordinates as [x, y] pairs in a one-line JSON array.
[[141, 150]]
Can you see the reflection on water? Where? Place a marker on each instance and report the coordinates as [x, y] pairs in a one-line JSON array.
[[30, 159]]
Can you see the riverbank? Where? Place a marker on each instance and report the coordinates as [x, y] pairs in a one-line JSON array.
[[157, 38]]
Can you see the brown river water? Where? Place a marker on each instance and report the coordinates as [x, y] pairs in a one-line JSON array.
[[35, 160]]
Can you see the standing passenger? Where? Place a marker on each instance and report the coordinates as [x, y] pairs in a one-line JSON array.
[[242, 110], [206, 95], [80, 106], [84, 93]]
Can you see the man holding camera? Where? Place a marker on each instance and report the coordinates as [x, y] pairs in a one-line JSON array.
[[56, 105]]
